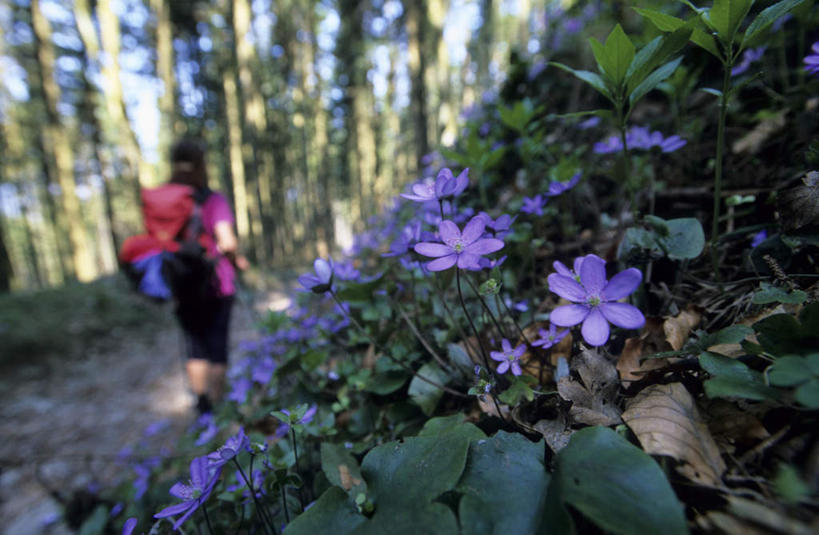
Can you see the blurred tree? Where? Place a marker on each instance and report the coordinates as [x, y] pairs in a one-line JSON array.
[[168, 129], [60, 156], [417, 24]]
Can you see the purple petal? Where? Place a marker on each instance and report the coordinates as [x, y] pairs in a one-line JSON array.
[[502, 367], [593, 274], [497, 355], [469, 260], [567, 288], [461, 182], [440, 264], [623, 315], [622, 284], [129, 526], [577, 263], [181, 519], [473, 230], [199, 471], [569, 315], [181, 491], [516, 368], [173, 510], [324, 269], [432, 249], [561, 268], [519, 351], [308, 281], [595, 328], [448, 231], [484, 246], [507, 347]]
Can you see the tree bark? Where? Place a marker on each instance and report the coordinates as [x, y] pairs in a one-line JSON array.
[[417, 25], [164, 69], [60, 157]]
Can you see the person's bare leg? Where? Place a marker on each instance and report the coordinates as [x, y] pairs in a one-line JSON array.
[[217, 381], [198, 375]]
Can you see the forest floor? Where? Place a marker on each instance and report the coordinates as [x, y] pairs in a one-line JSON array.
[[64, 421]]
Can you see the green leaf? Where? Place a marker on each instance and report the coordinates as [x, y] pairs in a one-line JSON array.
[[359, 292], [764, 20], [654, 53], [779, 334], [685, 240], [518, 390], [734, 334], [609, 480], [424, 394], [668, 23], [459, 357], [590, 78], [518, 115], [653, 80], [733, 379], [726, 16], [808, 394], [341, 468], [448, 424], [386, 383], [333, 510], [619, 52], [504, 486], [95, 523], [768, 293], [789, 371], [789, 486]]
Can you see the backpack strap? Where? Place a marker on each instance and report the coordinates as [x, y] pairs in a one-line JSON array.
[[195, 224]]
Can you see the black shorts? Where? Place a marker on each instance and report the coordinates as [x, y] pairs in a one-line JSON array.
[[205, 328]]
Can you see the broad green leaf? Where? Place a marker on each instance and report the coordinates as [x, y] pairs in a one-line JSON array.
[[657, 51], [668, 23], [768, 293], [808, 394], [355, 291], [504, 486], [601, 57], [459, 357], [424, 394], [789, 371], [332, 511], [729, 335], [711, 91], [763, 21], [518, 390], [727, 15], [590, 78], [518, 115], [341, 468], [789, 486], [653, 80], [779, 334], [733, 379], [451, 424], [685, 240], [620, 52], [614, 484], [663, 22], [95, 523], [386, 383]]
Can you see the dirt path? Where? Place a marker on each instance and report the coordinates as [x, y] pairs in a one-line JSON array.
[[68, 420]]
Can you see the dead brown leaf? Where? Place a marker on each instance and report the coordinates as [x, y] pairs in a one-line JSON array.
[[348, 481], [593, 400], [556, 433], [651, 340], [667, 422], [678, 328], [732, 426]]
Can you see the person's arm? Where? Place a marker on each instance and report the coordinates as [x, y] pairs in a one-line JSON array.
[[228, 245]]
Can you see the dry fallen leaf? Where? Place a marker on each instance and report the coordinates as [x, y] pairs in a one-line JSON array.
[[678, 328], [651, 340], [556, 433], [593, 400], [666, 422], [348, 481], [732, 426]]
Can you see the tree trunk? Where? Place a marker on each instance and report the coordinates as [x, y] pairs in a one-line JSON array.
[[417, 25], [237, 167], [164, 69], [58, 147]]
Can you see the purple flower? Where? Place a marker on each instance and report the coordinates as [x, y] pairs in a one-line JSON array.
[[410, 235], [591, 122], [463, 249], [194, 493], [639, 137], [557, 187], [346, 271], [446, 185], [263, 370], [239, 390], [233, 446], [758, 238], [749, 56], [672, 143], [508, 357], [257, 480], [323, 279], [549, 338], [812, 60], [156, 427], [612, 144], [129, 526], [595, 300], [533, 205]]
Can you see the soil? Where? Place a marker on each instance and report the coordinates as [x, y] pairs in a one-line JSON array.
[[64, 421]]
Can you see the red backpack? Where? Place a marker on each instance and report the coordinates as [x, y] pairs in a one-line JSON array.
[[171, 259]]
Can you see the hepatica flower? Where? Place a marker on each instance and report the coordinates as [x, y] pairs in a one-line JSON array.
[[323, 279], [533, 205], [595, 300], [549, 338], [193, 494], [233, 446], [812, 60], [508, 357], [749, 56], [444, 186], [462, 248]]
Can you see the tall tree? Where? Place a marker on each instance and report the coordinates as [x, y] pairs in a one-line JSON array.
[[417, 27], [58, 148], [164, 68]]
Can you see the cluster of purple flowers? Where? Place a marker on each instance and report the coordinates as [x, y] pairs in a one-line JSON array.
[[639, 137], [812, 60]]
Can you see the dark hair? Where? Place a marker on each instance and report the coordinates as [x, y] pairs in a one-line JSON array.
[[188, 163]]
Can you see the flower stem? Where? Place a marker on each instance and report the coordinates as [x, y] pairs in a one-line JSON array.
[[723, 113], [486, 308], [284, 504], [259, 509], [392, 358], [207, 518], [296, 453], [477, 337]]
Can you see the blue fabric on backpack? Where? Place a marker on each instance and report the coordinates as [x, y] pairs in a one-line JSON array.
[[152, 283]]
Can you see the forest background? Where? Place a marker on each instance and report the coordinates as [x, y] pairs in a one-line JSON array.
[[316, 113]]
